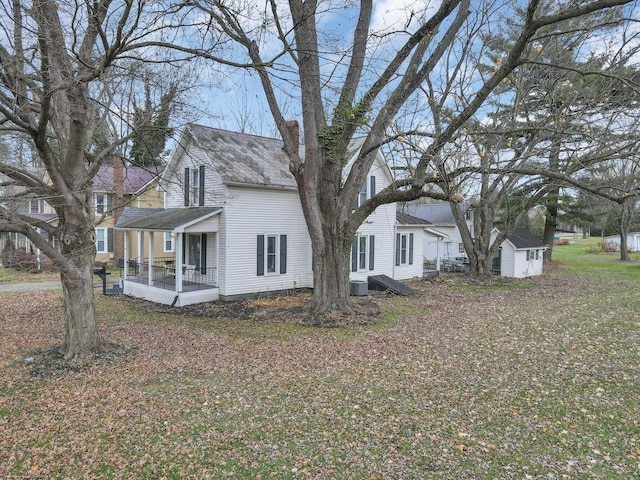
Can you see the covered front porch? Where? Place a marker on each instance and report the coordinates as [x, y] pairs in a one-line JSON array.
[[188, 272]]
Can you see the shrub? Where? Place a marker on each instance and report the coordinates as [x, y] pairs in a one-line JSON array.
[[19, 259]]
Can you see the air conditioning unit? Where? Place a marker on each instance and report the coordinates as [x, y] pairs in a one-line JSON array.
[[359, 288]]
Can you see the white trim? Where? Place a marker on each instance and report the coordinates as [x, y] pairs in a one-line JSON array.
[[164, 242], [105, 240]]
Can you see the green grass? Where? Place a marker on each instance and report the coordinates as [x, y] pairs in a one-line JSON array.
[[10, 275], [533, 379], [584, 257]]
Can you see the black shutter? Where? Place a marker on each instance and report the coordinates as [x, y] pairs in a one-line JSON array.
[[372, 184], [109, 206], [186, 186], [372, 245], [411, 249], [260, 254], [283, 254], [184, 248], [397, 249], [203, 254], [201, 189], [109, 239], [354, 255]]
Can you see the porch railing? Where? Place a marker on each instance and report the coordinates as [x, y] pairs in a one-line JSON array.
[[164, 274]]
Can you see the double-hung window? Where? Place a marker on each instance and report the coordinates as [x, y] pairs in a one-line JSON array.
[[101, 203], [367, 191], [404, 249], [168, 242], [363, 253], [194, 186], [36, 206], [104, 240], [271, 254]]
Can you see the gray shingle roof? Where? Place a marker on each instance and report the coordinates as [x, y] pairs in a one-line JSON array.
[[406, 219], [435, 213], [240, 158], [166, 219], [523, 238]]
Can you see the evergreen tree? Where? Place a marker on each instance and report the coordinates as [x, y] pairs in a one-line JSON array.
[[151, 128]]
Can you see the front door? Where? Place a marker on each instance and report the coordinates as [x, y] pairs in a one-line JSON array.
[[194, 250], [497, 262]]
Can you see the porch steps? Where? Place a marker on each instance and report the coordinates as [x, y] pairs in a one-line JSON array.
[[388, 284]]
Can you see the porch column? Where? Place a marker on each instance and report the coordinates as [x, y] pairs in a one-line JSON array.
[[125, 254], [38, 254], [179, 240], [438, 254], [150, 273], [140, 252]]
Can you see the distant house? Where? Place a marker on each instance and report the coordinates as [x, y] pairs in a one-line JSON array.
[[233, 213], [442, 236], [520, 255], [115, 187], [16, 200], [633, 242]]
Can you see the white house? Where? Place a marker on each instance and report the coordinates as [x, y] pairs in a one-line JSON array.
[[520, 255], [633, 242], [410, 236], [442, 236], [233, 224]]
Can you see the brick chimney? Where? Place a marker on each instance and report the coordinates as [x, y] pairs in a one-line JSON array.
[[294, 131], [118, 205]]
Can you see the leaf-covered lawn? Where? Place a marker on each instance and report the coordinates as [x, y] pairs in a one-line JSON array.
[[525, 379]]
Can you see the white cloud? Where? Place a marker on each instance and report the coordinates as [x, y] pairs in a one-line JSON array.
[[401, 15]]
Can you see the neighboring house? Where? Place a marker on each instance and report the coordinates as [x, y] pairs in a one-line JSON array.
[[520, 255], [633, 242], [233, 212], [442, 236], [15, 199], [115, 187]]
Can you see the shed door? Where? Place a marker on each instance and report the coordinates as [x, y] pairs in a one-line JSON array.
[[497, 261]]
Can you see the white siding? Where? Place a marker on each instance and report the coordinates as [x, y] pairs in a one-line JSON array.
[[251, 212], [515, 263], [527, 268], [507, 261], [433, 247], [403, 272], [211, 224], [214, 189], [381, 224], [633, 241]]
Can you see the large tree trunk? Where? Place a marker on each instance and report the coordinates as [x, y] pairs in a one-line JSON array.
[[330, 274], [550, 225], [78, 246], [81, 329], [626, 210]]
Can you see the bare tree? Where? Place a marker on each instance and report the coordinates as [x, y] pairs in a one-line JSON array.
[[357, 84], [52, 56]]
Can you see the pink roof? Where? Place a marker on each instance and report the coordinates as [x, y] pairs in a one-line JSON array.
[[134, 178]]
